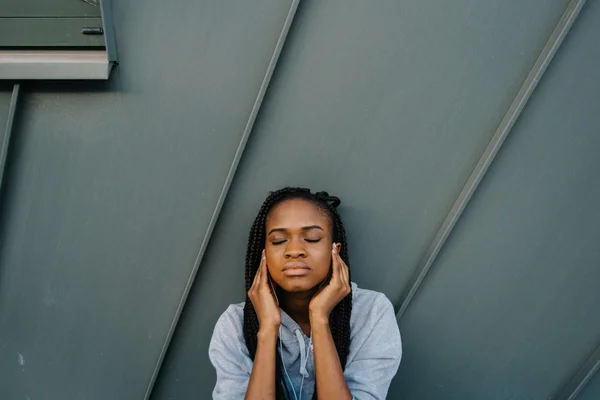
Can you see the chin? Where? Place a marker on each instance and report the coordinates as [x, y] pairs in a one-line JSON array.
[[296, 285]]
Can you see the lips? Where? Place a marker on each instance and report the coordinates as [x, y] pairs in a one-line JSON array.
[[296, 268]]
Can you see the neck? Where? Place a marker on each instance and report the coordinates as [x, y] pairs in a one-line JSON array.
[[296, 305]]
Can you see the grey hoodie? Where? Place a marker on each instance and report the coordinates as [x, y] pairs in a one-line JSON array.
[[373, 358]]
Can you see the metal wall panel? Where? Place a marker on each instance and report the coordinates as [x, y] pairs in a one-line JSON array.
[[5, 93], [592, 391], [388, 105], [109, 192], [48, 32], [8, 100], [46, 9], [510, 308], [55, 23]]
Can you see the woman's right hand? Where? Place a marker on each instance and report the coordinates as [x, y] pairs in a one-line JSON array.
[[263, 299]]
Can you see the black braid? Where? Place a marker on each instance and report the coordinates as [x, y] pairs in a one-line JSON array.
[[339, 319]]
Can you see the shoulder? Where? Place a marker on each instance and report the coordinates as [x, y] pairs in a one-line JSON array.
[[228, 341], [375, 347], [233, 315], [229, 327], [373, 319], [232, 319], [227, 350], [368, 304]]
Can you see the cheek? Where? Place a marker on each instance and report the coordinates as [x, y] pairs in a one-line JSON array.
[[275, 259], [322, 260], [274, 254]]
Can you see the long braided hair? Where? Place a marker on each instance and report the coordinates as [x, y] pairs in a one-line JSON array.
[[339, 319]]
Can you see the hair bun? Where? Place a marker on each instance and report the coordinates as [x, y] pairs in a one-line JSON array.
[[332, 201]]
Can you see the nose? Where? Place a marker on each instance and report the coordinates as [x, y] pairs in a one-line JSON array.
[[295, 249]]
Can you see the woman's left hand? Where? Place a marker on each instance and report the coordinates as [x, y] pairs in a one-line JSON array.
[[338, 287]]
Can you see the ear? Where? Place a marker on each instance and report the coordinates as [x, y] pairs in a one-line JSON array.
[[338, 247]]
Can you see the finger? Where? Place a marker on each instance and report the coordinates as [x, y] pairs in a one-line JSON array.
[[263, 270], [335, 267], [258, 277], [344, 285], [336, 273], [256, 281], [342, 276], [344, 270]]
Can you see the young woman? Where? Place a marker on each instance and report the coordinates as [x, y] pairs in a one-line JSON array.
[[305, 331]]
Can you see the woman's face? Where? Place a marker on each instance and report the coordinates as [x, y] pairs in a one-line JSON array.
[[298, 245]]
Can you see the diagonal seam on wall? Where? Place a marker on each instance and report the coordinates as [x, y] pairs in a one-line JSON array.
[[581, 378], [490, 152], [225, 189], [12, 107]]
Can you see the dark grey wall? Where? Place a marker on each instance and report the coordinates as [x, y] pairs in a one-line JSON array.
[[592, 391], [391, 118], [5, 94], [110, 189], [511, 306]]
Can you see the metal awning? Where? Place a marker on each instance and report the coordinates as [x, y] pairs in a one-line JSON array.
[[70, 43], [54, 64]]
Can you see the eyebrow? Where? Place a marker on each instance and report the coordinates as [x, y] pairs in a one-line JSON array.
[[304, 228]]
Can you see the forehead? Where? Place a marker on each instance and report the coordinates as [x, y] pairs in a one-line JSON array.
[[297, 213]]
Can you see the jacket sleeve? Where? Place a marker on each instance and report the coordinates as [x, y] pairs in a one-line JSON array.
[[229, 355], [377, 355]]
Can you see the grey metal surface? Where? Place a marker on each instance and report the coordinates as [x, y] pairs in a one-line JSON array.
[[227, 184], [388, 105], [39, 23], [509, 310], [109, 30], [581, 378], [54, 64], [46, 8], [592, 390], [49, 32], [113, 189], [6, 89], [109, 192], [511, 116], [8, 128]]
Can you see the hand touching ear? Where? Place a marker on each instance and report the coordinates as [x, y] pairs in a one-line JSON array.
[[263, 299], [333, 292]]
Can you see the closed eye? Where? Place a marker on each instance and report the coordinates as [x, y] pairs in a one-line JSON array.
[[313, 240], [276, 242]]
